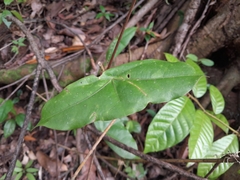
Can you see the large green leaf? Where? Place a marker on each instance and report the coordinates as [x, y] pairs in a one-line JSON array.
[[119, 133], [201, 136], [118, 92], [126, 38], [217, 99], [225, 145], [200, 87], [170, 125]]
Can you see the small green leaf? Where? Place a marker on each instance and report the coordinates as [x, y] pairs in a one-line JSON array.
[[128, 34], [170, 125], [227, 144], [151, 112], [119, 133], [206, 62], [18, 163], [222, 118], [99, 15], [29, 164], [133, 126], [171, 58], [192, 57], [20, 119], [17, 15], [200, 87], [30, 176], [5, 109], [9, 128], [201, 136], [18, 169], [18, 176], [217, 99], [6, 22], [32, 170], [151, 25], [8, 2], [102, 8]]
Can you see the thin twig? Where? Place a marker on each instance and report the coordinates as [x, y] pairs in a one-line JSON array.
[[93, 149], [25, 124], [120, 36]]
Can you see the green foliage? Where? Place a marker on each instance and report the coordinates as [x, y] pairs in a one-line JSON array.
[[130, 87], [104, 14], [16, 119], [128, 34], [170, 125], [204, 61], [127, 89], [149, 34], [20, 171], [17, 43], [119, 133], [5, 13], [136, 171], [219, 148], [8, 2]]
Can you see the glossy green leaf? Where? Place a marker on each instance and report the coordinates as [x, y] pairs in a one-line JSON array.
[[4, 14], [30, 176], [201, 136], [192, 57], [217, 100], [119, 133], [9, 128], [206, 62], [200, 87], [170, 125], [227, 144], [117, 93], [171, 58], [133, 126], [128, 34], [5, 109], [222, 118], [17, 15]]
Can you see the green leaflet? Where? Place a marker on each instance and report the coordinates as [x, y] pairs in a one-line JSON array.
[[119, 133], [217, 100], [128, 34], [170, 125], [201, 136], [200, 87], [171, 58], [227, 144], [118, 92], [222, 118]]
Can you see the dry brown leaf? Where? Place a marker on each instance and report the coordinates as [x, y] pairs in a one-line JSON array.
[[49, 164], [37, 7], [88, 170], [71, 31]]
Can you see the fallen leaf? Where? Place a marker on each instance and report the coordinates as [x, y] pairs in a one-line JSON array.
[[49, 164]]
